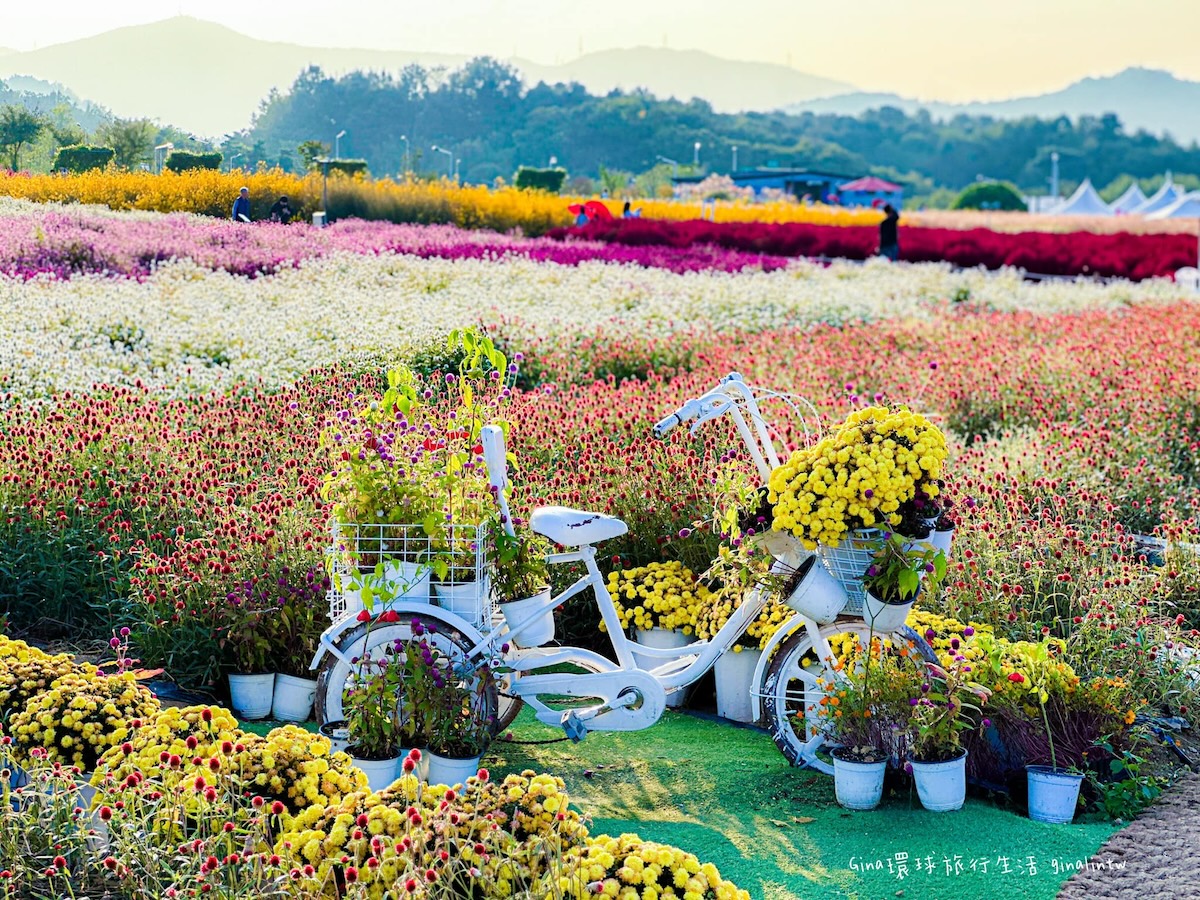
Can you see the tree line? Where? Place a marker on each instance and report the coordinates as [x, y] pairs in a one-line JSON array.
[[486, 118]]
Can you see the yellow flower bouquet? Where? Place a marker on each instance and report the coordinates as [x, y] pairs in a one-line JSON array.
[[659, 595], [857, 477], [81, 716]]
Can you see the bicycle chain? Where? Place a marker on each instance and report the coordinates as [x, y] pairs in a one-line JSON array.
[[557, 740]]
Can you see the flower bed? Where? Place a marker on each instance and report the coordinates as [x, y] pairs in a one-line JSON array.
[[186, 803], [1075, 253], [52, 241]]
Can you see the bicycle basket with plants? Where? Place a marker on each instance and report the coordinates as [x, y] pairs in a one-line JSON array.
[[406, 467]]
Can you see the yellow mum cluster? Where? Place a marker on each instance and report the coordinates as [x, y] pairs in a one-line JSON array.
[[26, 671], [995, 659], [81, 716], [628, 868], [289, 764], [716, 613], [658, 595], [857, 477], [497, 834]]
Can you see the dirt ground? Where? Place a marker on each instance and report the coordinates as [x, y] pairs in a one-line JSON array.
[[1157, 857]]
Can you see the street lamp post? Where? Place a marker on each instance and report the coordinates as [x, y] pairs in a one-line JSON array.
[[1054, 175], [337, 144], [449, 159], [456, 164], [734, 169], [231, 159], [160, 155], [668, 160], [324, 161], [407, 168], [696, 155]]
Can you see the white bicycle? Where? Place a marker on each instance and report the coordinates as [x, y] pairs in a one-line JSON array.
[[502, 655]]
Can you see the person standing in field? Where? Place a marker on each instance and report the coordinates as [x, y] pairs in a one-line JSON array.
[[889, 241], [241, 206]]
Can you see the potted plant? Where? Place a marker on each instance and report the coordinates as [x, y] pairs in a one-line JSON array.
[[864, 713], [295, 633], [659, 602], [520, 578], [442, 703], [245, 639], [894, 577], [1053, 791], [946, 705], [374, 705]]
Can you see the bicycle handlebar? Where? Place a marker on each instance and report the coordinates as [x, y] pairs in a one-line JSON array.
[[685, 413]]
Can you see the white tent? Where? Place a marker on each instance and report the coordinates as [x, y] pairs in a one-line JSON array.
[[1084, 202], [1187, 206], [1160, 199], [1130, 200]]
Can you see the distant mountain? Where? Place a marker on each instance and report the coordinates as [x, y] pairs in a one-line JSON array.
[[729, 85], [46, 97], [1148, 99], [209, 79]]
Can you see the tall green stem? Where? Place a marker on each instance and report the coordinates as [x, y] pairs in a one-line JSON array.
[[1049, 736]]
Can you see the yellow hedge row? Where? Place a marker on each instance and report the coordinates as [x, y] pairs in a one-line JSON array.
[[469, 206]]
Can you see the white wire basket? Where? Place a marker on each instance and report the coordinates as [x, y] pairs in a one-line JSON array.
[[848, 561], [403, 563]]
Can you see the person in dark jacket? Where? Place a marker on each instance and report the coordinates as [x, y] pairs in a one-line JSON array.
[[241, 206], [281, 211], [889, 242]]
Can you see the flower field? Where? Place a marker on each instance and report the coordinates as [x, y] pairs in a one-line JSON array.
[[159, 460], [1046, 253]]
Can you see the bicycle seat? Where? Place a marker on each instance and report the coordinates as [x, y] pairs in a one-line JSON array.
[[573, 527]]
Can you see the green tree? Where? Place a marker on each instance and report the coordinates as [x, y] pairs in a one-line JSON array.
[[132, 140], [990, 195], [310, 152], [18, 127]]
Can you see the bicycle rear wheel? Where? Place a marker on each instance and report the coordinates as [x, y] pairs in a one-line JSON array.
[[334, 674]]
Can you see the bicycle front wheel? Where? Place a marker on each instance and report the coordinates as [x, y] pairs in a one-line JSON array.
[[792, 690]]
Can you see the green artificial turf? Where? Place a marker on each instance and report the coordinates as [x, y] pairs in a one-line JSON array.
[[727, 795]]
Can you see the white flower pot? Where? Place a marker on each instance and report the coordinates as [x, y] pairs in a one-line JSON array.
[[734, 672], [540, 631], [942, 540], [1053, 794], [293, 698], [662, 639], [338, 734], [942, 786], [468, 600], [885, 618], [380, 772], [251, 695], [858, 785], [819, 595], [448, 770]]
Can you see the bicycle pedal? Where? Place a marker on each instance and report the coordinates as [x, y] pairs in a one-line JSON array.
[[572, 726]]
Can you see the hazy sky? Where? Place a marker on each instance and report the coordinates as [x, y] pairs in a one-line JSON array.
[[931, 49]]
